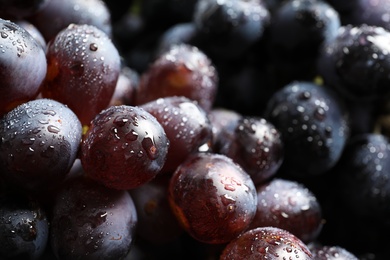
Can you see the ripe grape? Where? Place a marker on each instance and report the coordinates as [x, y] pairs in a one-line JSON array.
[[212, 197], [23, 66], [230, 27], [266, 243], [124, 148], [314, 125], [64, 13], [39, 144], [288, 205], [90, 221], [257, 147], [186, 125], [83, 69], [356, 62], [183, 70]]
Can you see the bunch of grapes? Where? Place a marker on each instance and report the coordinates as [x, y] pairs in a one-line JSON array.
[[196, 129]]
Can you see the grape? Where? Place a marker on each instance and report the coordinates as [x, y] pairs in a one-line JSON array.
[[23, 66], [364, 178], [83, 69], [231, 27], [39, 144], [212, 197], [266, 243], [257, 147], [296, 33], [288, 205], [186, 125], [356, 63], [91, 221], [184, 70], [24, 227], [322, 252], [64, 13], [314, 125], [124, 148]]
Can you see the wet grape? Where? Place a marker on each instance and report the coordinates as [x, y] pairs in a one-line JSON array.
[[212, 197], [124, 148], [91, 221], [39, 144], [83, 69], [266, 243], [23, 66]]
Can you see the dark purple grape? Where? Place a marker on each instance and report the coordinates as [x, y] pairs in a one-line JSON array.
[[266, 243], [299, 27], [186, 125], [297, 31], [356, 63], [83, 70], [257, 147], [124, 148], [314, 125], [63, 13], [358, 12], [39, 144], [23, 66], [212, 197], [183, 70], [91, 221], [231, 27], [288, 205], [24, 227], [156, 222], [322, 252], [364, 177]]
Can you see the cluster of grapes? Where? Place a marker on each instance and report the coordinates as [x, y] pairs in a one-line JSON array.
[[196, 129]]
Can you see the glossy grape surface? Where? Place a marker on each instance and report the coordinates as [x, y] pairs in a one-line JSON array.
[[356, 62], [90, 221], [212, 197], [186, 125], [39, 144], [83, 69], [124, 148], [257, 147], [64, 13], [314, 125], [290, 206], [23, 66], [183, 70], [266, 243]]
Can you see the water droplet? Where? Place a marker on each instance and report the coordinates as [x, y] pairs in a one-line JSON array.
[[150, 148], [93, 47], [131, 136], [320, 114], [4, 35], [53, 129]]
